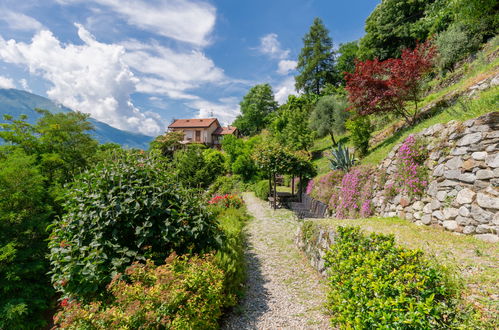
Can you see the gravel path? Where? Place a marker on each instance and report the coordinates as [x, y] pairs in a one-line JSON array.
[[283, 291]]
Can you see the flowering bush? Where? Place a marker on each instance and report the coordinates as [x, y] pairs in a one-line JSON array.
[[326, 185], [226, 201], [310, 187], [353, 198], [410, 177], [185, 293]]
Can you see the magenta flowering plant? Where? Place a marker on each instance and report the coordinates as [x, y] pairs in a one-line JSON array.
[[353, 199], [411, 175], [310, 187], [326, 185]]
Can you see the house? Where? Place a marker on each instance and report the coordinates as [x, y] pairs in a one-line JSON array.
[[206, 131]]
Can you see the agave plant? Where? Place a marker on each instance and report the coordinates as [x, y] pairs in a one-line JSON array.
[[342, 159]]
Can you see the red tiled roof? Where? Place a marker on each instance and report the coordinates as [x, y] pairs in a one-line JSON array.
[[225, 130], [188, 123]]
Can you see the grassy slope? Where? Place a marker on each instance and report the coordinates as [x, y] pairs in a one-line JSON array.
[[470, 74], [473, 261]]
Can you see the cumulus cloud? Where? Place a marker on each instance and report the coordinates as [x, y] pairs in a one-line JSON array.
[[284, 89], [20, 21], [92, 77], [285, 66], [165, 71], [183, 20], [6, 82], [269, 45], [25, 85]]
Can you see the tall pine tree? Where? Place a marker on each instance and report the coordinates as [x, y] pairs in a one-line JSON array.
[[316, 60]]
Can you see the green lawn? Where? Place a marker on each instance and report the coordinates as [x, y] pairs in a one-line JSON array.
[[474, 262]]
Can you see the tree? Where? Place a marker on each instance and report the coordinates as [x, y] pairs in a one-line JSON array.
[[290, 126], [256, 107], [392, 27], [345, 62], [328, 116], [316, 60], [167, 143], [386, 86]]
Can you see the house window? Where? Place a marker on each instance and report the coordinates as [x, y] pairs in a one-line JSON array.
[[198, 136]]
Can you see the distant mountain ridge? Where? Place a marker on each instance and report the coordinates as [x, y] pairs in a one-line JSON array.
[[16, 102]]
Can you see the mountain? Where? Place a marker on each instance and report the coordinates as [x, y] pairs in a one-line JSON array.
[[16, 102]]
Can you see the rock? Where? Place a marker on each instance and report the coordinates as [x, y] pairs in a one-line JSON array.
[[435, 204], [467, 177], [465, 196], [454, 163], [438, 214], [441, 195], [459, 151], [417, 215], [463, 211], [487, 201], [448, 183], [469, 139], [492, 191], [492, 160], [480, 184], [418, 205], [432, 188], [404, 201], [479, 155], [426, 219], [452, 174], [450, 225], [427, 208], [469, 230], [468, 165], [439, 170], [462, 221], [450, 213], [484, 174], [483, 229], [480, 128], [435, 155], [491, 238], [481, 215]]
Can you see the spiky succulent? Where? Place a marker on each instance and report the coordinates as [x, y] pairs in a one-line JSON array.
[[341, 158]]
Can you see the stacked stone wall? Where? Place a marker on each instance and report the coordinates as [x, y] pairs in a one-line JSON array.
[[463, 190]]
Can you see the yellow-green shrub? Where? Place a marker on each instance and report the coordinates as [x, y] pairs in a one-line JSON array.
[[184, 293]]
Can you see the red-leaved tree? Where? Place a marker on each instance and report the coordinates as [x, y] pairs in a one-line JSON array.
[[388, 86]]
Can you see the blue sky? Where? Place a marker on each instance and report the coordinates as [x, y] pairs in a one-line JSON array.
[[137, 64]]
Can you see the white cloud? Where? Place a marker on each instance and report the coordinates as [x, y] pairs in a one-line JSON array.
[[285, 66], [6, 82], [269, 45], [169, 72], [284, 89], [20, 21], [92, 78], [25, 85], [184, 20], [226, 109]]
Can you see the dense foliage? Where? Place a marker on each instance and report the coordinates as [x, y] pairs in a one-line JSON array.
[[262, 189], [328, 116], [360, 129], [316, 60], [197, 166], [120, 211], [256, 107], [387, 86], [375, 284], [183, 293]]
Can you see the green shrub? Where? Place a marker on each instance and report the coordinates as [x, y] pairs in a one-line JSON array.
[[454, 44], [25, 290], [184, 293], [360, 130], [224, 185], [261, 189], [375, 284], [230, 257], [121, 211]]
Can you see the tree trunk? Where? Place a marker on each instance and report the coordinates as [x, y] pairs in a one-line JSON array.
[[275, 192], [332, 138], [270, 184], [300, 188], [293, 186]]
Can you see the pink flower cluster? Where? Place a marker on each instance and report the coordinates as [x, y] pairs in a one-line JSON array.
[[410, 176], [310, 187]]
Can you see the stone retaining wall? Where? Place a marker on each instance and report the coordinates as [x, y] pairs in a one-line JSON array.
[[314, 241], [463, 191]]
